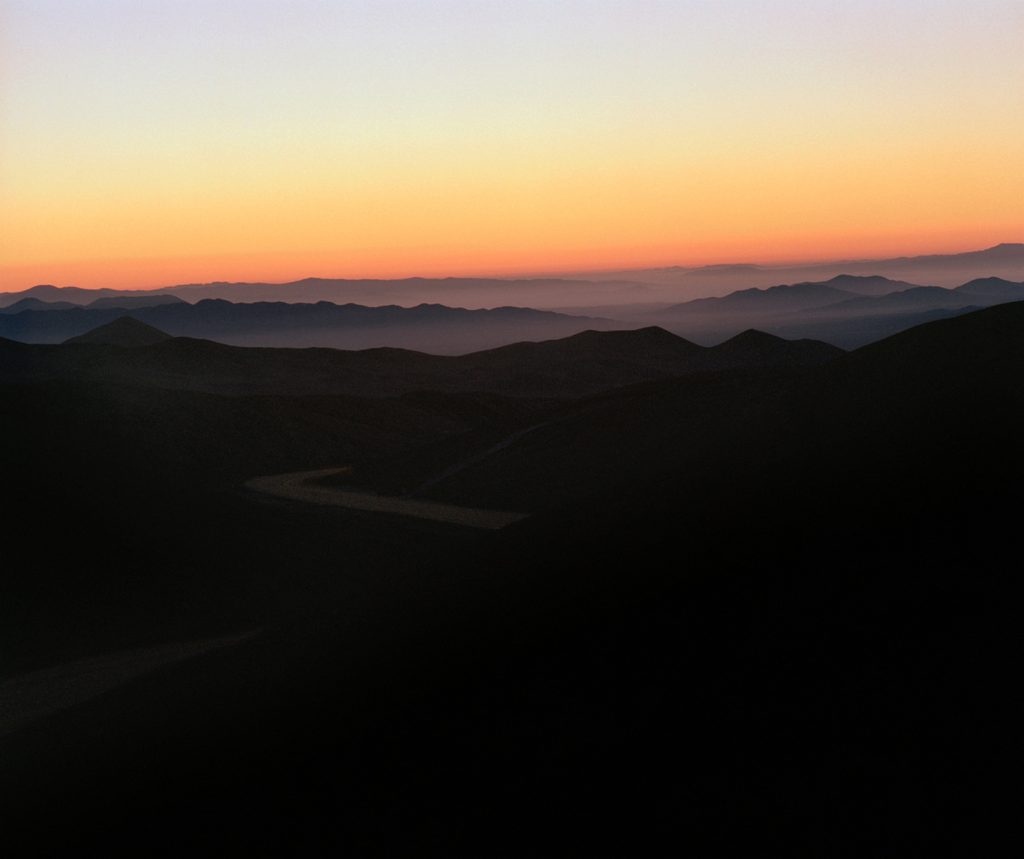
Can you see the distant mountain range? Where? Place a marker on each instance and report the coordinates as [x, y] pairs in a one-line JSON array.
[[847, 311], [476, 293], [123, 301], [590, 293], [1004, 260], [583, 364], [429, 327]]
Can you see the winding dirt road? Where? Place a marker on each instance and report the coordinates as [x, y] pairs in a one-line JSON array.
[[299, 486], [27, 697]]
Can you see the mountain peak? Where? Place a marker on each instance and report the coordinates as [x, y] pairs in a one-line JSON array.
[[771, 350], [648, 334], [753, 337], [123, 331]]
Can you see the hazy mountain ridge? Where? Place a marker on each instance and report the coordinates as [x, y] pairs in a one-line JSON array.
[[667, 285], [429, 327], [821, 311], [847, 311], [474, 293], [33, 303], [124, 300], [774, 299], [581, 364], [1003, 260]]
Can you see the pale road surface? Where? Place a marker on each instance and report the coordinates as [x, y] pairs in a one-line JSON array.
[[27, 697], [298, 486]]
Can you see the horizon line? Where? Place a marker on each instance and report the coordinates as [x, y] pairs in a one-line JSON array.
[[522, 274]]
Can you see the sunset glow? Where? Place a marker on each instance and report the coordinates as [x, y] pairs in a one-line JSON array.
[[148, 143]]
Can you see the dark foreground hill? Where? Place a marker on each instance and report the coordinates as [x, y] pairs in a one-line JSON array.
[[585, 363], [775, 620]]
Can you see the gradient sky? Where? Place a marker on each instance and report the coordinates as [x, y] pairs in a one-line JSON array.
[[146, 143]]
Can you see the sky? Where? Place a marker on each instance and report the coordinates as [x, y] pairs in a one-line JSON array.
[[151, 142]]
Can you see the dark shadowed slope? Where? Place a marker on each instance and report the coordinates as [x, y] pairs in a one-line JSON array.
[[647, 429], [985, 344], [780, 622]]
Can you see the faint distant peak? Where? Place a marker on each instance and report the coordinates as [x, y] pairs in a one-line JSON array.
[[724, 268], [991, 281], [860, 278]]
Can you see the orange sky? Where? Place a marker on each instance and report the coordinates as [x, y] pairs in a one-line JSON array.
[[144, 144]]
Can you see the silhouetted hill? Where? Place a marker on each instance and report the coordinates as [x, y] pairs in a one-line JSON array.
[[123, 331], [584, 447], [588, 362], [752, 348], [985, 344], [583, 364]]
